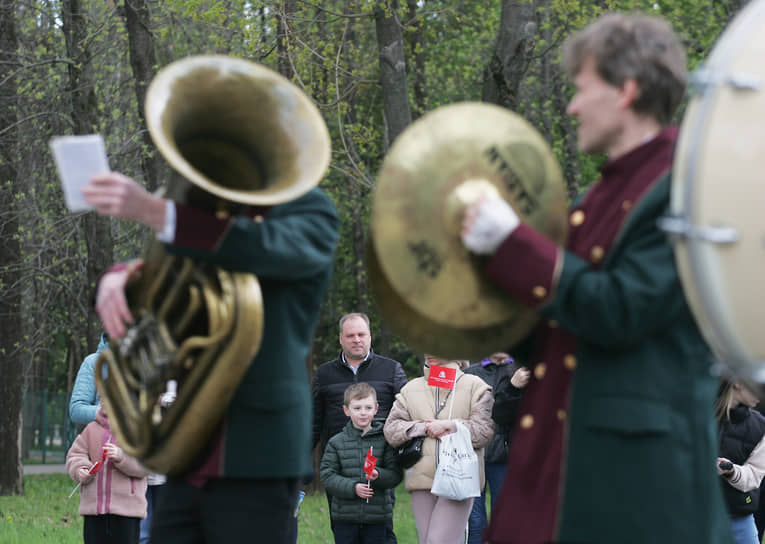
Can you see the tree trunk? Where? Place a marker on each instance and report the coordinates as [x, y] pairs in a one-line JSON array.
[[96, 230], [284, 19], [142, 61], [11, 338], [390, 44], [510, 60], [417, 52]]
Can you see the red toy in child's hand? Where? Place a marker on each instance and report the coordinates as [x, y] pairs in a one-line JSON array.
[[99, 464]]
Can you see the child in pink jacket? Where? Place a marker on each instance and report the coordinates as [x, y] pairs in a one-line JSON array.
[[113, 492]]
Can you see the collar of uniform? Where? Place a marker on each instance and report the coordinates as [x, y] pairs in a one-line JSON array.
[[640, 155]]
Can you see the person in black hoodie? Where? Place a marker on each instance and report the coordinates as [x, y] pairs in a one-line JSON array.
[[741, 464], [506, 379]]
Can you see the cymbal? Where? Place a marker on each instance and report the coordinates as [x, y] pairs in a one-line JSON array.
[[447, 159], [427, 336]]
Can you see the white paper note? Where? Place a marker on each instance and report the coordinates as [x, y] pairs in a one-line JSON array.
[[78, 158]]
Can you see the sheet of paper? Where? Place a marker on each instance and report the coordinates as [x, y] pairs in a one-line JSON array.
[[78, 158]]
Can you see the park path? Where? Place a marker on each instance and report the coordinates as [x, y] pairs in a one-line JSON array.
[[44, 469]]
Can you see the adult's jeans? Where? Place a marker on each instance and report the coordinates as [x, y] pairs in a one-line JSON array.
[[152, 492], [495, 477], [744, 530]]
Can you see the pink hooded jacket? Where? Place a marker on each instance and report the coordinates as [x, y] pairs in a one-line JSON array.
[[119, 487]]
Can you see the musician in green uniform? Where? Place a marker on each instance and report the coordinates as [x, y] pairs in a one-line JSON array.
[[246, 479], [615, 441]]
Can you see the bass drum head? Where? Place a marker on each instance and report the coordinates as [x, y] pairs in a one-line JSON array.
[[719, 195]]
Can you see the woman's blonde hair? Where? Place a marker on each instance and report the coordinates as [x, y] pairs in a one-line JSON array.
[[725, 400]]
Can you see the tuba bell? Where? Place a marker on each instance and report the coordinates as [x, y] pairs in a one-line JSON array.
[[236, 134]]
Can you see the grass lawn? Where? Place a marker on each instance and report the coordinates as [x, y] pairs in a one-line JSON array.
[[44, 515]]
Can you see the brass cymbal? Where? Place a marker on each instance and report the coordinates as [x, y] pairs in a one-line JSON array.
[[444, 161], [426, 336]]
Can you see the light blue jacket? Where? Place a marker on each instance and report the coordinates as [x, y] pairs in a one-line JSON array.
[[84, 402]]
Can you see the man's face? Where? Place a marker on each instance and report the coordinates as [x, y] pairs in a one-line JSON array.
[[599, 107], [361, 412], [355, 339]]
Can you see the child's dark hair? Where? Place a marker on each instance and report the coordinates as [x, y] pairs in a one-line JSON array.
[[359, 390]]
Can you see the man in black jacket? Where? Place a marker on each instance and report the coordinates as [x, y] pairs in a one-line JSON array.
[[494, 369], [356, 363]]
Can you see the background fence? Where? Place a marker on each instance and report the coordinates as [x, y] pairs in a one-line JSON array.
[[47, 431]]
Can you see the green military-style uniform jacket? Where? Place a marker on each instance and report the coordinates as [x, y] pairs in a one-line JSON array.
[[266, 430], [615, 441]]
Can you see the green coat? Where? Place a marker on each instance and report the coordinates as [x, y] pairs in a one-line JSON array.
[[644, 402], [266, 431], [342, 467], [616, 437]]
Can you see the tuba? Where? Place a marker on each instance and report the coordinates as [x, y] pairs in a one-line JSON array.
[[427, 285], [236, 134]]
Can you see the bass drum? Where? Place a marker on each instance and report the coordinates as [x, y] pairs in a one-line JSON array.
[[718, 197]]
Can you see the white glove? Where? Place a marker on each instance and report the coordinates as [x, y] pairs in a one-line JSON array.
[[487, 224], [169, 396]]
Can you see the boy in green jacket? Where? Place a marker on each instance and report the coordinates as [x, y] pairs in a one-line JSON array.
[[359, 504]]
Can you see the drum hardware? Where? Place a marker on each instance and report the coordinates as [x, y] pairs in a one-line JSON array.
[[704, 79], [429, 288], [680, 227], [236, 134]]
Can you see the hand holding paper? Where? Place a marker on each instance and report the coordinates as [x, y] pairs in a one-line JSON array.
[[120, 196]]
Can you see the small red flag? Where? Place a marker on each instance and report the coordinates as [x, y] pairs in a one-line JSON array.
[[370, 462], [442, 376], [99, 464]]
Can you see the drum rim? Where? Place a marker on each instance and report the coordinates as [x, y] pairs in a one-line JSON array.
[[735, 358]]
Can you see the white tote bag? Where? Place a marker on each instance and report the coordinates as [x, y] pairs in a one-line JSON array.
[[457, 475]]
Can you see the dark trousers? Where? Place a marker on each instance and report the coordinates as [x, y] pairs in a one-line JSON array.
[[390, 536], [226, 510], [355, 533], [110, 529]]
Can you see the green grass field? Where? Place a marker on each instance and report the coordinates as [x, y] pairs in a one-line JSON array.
[[44, 515]]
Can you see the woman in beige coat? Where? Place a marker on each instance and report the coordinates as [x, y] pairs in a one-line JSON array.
[[423, 410]]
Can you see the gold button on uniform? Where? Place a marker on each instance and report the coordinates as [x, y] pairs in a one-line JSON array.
[[627, 205], [258, 218], [527, 421], [577, 218], [539, 291], [222, 214], [596, 254], [540, 370], [561, 415], [569, 361]]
